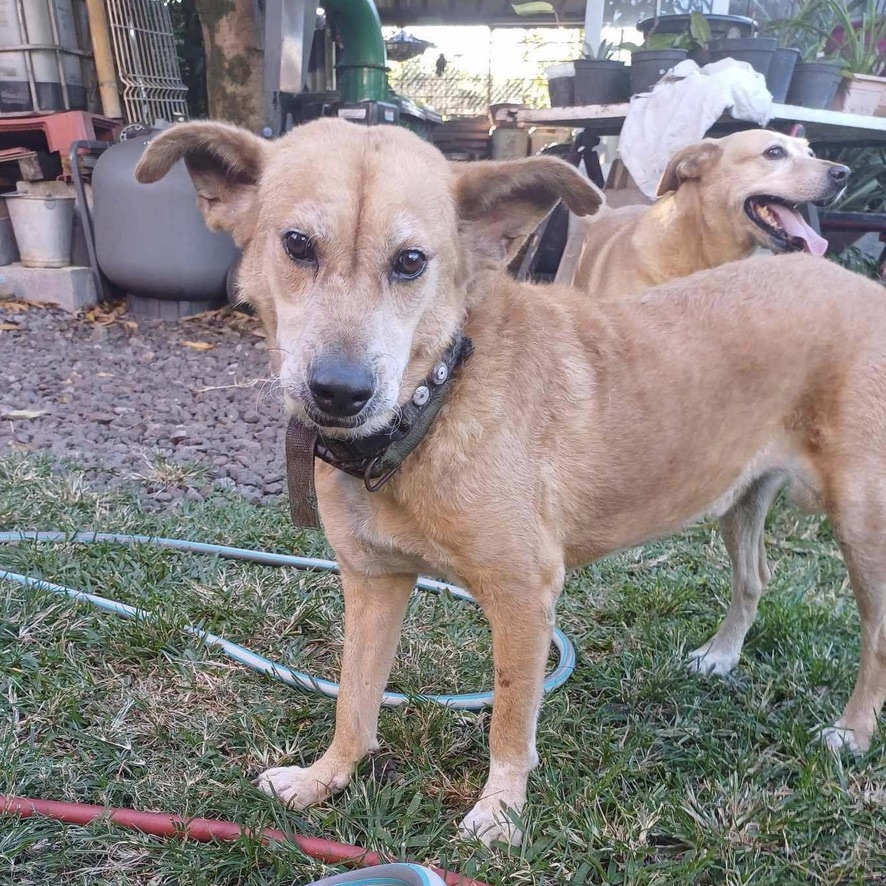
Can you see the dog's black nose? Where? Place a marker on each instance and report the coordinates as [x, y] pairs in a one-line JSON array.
[[839, 174], [341, 387]]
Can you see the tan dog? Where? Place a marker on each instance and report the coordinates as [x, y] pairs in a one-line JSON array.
[[575, 429], [717, 202]]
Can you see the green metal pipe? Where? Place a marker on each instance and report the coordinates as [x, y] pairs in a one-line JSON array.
[[363, 66]]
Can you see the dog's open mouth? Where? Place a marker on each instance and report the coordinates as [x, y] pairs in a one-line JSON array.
[[784, 224]]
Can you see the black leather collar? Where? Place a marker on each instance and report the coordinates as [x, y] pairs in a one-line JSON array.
[[376, 458]]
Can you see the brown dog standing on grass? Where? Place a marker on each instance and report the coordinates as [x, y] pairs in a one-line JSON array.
[[575, 428], [718, 201]]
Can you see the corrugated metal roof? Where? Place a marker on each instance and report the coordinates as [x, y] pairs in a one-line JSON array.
[[473, 12]]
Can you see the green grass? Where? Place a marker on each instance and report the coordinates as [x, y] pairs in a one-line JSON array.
[[649, 775]]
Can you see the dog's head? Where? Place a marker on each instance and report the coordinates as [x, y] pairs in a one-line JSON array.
[[358, 247], [760, 179]]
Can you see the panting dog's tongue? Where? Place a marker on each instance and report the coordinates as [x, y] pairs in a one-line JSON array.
[[795, 226]]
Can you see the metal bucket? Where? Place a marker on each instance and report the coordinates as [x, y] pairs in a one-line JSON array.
[[43, 229]]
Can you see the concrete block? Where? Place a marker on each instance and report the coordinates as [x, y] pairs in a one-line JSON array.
[[71, 288]]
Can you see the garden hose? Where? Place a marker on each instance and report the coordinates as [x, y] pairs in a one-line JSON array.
[[160, 824], [471, 701]]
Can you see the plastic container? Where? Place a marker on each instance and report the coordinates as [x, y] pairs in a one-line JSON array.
[[31, 24], [781, 70], [601, 82], [648, 66], [509, 143], [860, 94], [43, 229], [135, 224], [814, 84], [756, 51]]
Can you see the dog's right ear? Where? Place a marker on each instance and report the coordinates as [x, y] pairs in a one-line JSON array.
[[225, 164], [689, 163], [500, 202]]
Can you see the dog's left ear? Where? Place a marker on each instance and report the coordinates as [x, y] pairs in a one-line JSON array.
[[501, 202], [689, 163]]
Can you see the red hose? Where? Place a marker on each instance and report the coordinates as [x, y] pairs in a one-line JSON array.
[[161, 824]]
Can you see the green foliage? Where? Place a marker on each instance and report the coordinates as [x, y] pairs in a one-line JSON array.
[[191, 58], [696, 38], [605, 50], [811, 30]]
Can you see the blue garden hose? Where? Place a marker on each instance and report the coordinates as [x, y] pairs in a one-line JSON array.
[[471, 701]]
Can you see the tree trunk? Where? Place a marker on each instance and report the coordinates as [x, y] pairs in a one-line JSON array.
[[234, 61]]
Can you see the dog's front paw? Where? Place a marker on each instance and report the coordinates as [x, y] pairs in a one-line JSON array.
[[489, 821], [837, 738], [300, 788], [710, 660]]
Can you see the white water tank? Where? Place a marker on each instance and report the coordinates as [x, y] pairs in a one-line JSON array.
[[33, 62]]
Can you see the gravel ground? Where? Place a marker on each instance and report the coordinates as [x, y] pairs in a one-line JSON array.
[[175, 407]]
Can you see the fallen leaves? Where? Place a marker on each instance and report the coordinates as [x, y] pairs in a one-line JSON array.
[[199, 345], [101, 316], [14, 306]]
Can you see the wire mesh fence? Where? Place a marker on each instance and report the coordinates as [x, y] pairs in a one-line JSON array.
[[467, 72], [467, 95], [147, 64]]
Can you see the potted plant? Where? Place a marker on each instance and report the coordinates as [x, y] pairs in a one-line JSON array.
[[649, 65], [859, 41], [813, 79], [593, 79], [796, 43], [693, 32], [842, 47], [599, 78], [662, 50]]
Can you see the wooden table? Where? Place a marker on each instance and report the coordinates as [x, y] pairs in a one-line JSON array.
[[822, 127]]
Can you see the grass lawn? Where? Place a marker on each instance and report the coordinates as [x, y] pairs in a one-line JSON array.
[[649, 775]]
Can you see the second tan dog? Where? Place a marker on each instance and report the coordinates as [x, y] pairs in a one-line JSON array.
[[576, 428], [717, 202]]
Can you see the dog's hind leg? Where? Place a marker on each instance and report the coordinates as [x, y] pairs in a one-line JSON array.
[[860, 532], [374, 610], [742, 527], [521, 626]]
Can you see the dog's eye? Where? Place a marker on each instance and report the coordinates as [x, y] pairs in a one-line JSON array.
[[409, 264], [776, 152], [300, 247]]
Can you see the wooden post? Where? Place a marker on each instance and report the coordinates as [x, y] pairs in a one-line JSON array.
[[100, 34]]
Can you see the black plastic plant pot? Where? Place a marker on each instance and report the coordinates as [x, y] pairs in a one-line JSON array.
[[781, 70], [756, 51], [814, 84], [562, 91], [601, 82], [648, 66]]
